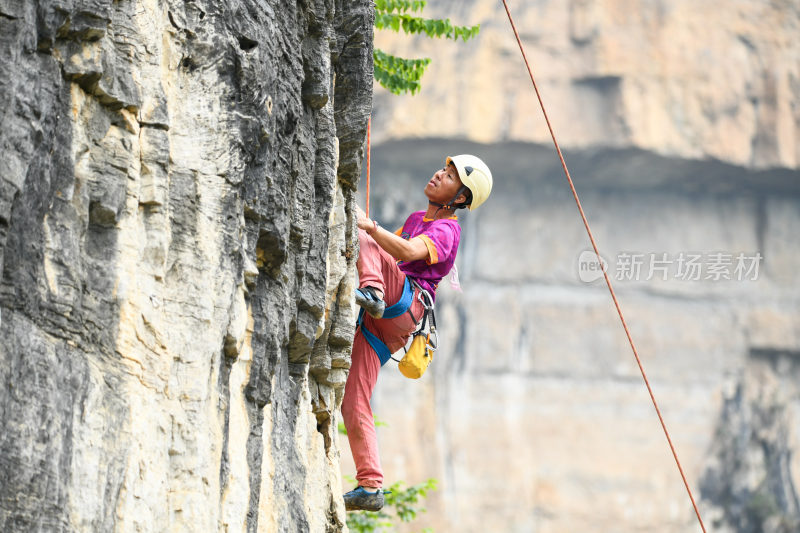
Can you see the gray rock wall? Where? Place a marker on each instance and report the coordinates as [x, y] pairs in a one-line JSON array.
[[176, 249]]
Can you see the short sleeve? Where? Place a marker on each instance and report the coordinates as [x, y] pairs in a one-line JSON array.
[[440, 239]]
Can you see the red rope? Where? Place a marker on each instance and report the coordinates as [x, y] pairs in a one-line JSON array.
[[605, 274], [369, 126]]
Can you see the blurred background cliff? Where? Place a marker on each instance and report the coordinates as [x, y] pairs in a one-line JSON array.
[[680, 122]]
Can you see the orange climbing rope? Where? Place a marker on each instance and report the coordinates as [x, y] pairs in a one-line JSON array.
[[369, 126], [605, 274]]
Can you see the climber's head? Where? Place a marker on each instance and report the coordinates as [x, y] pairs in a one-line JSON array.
[[475, 177], [445, 188], [464, 181]]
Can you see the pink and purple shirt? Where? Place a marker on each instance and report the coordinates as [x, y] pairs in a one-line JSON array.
[[441, 237]]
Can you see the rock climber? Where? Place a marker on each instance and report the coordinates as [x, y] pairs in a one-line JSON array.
[[424, 251]]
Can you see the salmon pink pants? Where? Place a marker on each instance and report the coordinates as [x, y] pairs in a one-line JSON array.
[[376, 268]]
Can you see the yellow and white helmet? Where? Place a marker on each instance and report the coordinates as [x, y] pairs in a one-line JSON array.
[[475, 175]]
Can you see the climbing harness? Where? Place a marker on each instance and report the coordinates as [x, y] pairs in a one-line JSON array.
[[393, 311], [420, 353], [605, 274]]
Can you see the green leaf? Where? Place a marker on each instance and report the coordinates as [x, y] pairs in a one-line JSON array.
[[400, 75], [430, 27], [397, 74], [399, 6]]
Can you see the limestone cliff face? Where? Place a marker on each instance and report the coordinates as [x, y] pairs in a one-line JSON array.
[[177, 259], [714, 79]]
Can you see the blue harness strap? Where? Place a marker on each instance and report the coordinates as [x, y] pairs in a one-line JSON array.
[[402, 305], [393, 311]]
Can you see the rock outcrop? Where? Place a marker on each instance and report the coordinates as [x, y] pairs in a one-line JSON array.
[[176, 250]]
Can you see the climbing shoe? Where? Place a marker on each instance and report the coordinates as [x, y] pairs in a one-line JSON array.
[[359, 499], [367, 297]]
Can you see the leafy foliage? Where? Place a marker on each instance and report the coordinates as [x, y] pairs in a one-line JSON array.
[[405, 501], [399, 6], [400, 75], [397, 74]]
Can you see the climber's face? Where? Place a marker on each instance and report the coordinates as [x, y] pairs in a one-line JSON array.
[[444, 184]]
